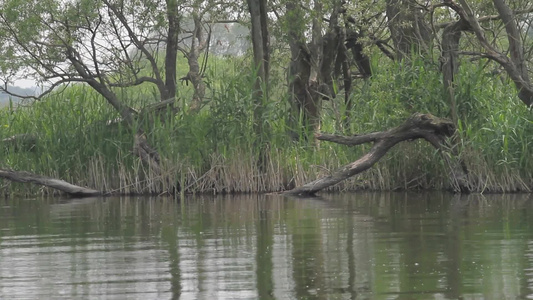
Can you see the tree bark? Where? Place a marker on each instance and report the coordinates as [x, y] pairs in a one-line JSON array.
[[260, 45], [425, 126], [451, 36], [171, 50], [361, 60], [303, 85], [58, 184], [198, 44], [21, 142], [408, 30]]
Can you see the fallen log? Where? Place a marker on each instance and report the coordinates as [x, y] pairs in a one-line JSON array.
[[58, 184], [433, 129]]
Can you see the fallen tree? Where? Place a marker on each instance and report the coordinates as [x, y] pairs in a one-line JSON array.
[[433, 129], [58, 184]]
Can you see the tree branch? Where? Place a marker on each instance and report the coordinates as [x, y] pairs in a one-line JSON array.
[[58, 184], [425, 126], [485, 18], [512, 66]]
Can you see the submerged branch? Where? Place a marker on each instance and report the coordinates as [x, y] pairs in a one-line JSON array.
[[425, 126], [58, 184]]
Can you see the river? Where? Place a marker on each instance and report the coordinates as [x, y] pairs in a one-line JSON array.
[[337, 246]]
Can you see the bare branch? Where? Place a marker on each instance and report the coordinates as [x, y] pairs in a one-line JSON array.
[[515, 72], [136, 41], [484, 18]]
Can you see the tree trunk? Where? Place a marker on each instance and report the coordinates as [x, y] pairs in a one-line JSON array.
[[260, 46], [361, 60], [408, 30], [58, 184], [425, 126], [198, 44], [265, 40], [514, 66], [303, 85], [516, 51], [343, 64], [171, 50], [451, 36]]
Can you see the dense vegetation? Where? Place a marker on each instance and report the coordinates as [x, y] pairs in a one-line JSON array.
[[215, 150], [237, 125]]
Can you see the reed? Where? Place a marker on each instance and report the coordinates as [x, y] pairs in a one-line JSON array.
[[217, 149]]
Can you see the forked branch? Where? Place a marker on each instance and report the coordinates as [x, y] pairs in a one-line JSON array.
[[426, 126]]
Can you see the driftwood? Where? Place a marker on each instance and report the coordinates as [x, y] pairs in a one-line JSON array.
[[58, 184], [426, 126]]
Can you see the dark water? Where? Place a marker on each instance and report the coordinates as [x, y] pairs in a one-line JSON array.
[[352, 246]]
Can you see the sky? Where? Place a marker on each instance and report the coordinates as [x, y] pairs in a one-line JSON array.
[[25, 83]]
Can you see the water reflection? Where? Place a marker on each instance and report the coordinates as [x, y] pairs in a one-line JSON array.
[[351, 246]]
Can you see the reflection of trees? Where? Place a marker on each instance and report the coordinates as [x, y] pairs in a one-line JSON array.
[[307, 255], [350, 246], [351, 259], [264, 263], [169, 235], [359, 247], [494, 231]]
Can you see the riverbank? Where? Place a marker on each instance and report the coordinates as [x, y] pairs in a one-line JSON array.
[[217, 149]]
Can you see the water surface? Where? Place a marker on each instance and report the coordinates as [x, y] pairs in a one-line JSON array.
[[348, 246]]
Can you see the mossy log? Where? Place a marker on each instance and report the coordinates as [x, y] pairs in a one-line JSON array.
[[58, 184], [433, 129]]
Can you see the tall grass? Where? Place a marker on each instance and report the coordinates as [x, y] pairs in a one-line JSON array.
[[216, 150]]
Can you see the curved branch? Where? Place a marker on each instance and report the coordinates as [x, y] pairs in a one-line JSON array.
[[425, 126]]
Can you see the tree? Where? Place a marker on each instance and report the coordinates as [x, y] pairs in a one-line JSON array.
[[195, 38], [514, 65], [261, 59], [408, 29], [105, 44], [316, 63]]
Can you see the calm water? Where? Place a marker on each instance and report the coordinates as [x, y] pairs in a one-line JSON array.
[[352, 246]]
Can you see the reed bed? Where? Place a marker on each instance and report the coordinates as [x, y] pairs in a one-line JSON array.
[[217, 150]]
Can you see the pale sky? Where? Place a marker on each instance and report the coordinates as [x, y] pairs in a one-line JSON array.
[[25, 83]]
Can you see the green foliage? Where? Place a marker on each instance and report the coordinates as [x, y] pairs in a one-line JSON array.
[[215, 149]]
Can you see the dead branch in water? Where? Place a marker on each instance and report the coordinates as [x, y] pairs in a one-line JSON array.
[[58, 184], [426, 126]]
